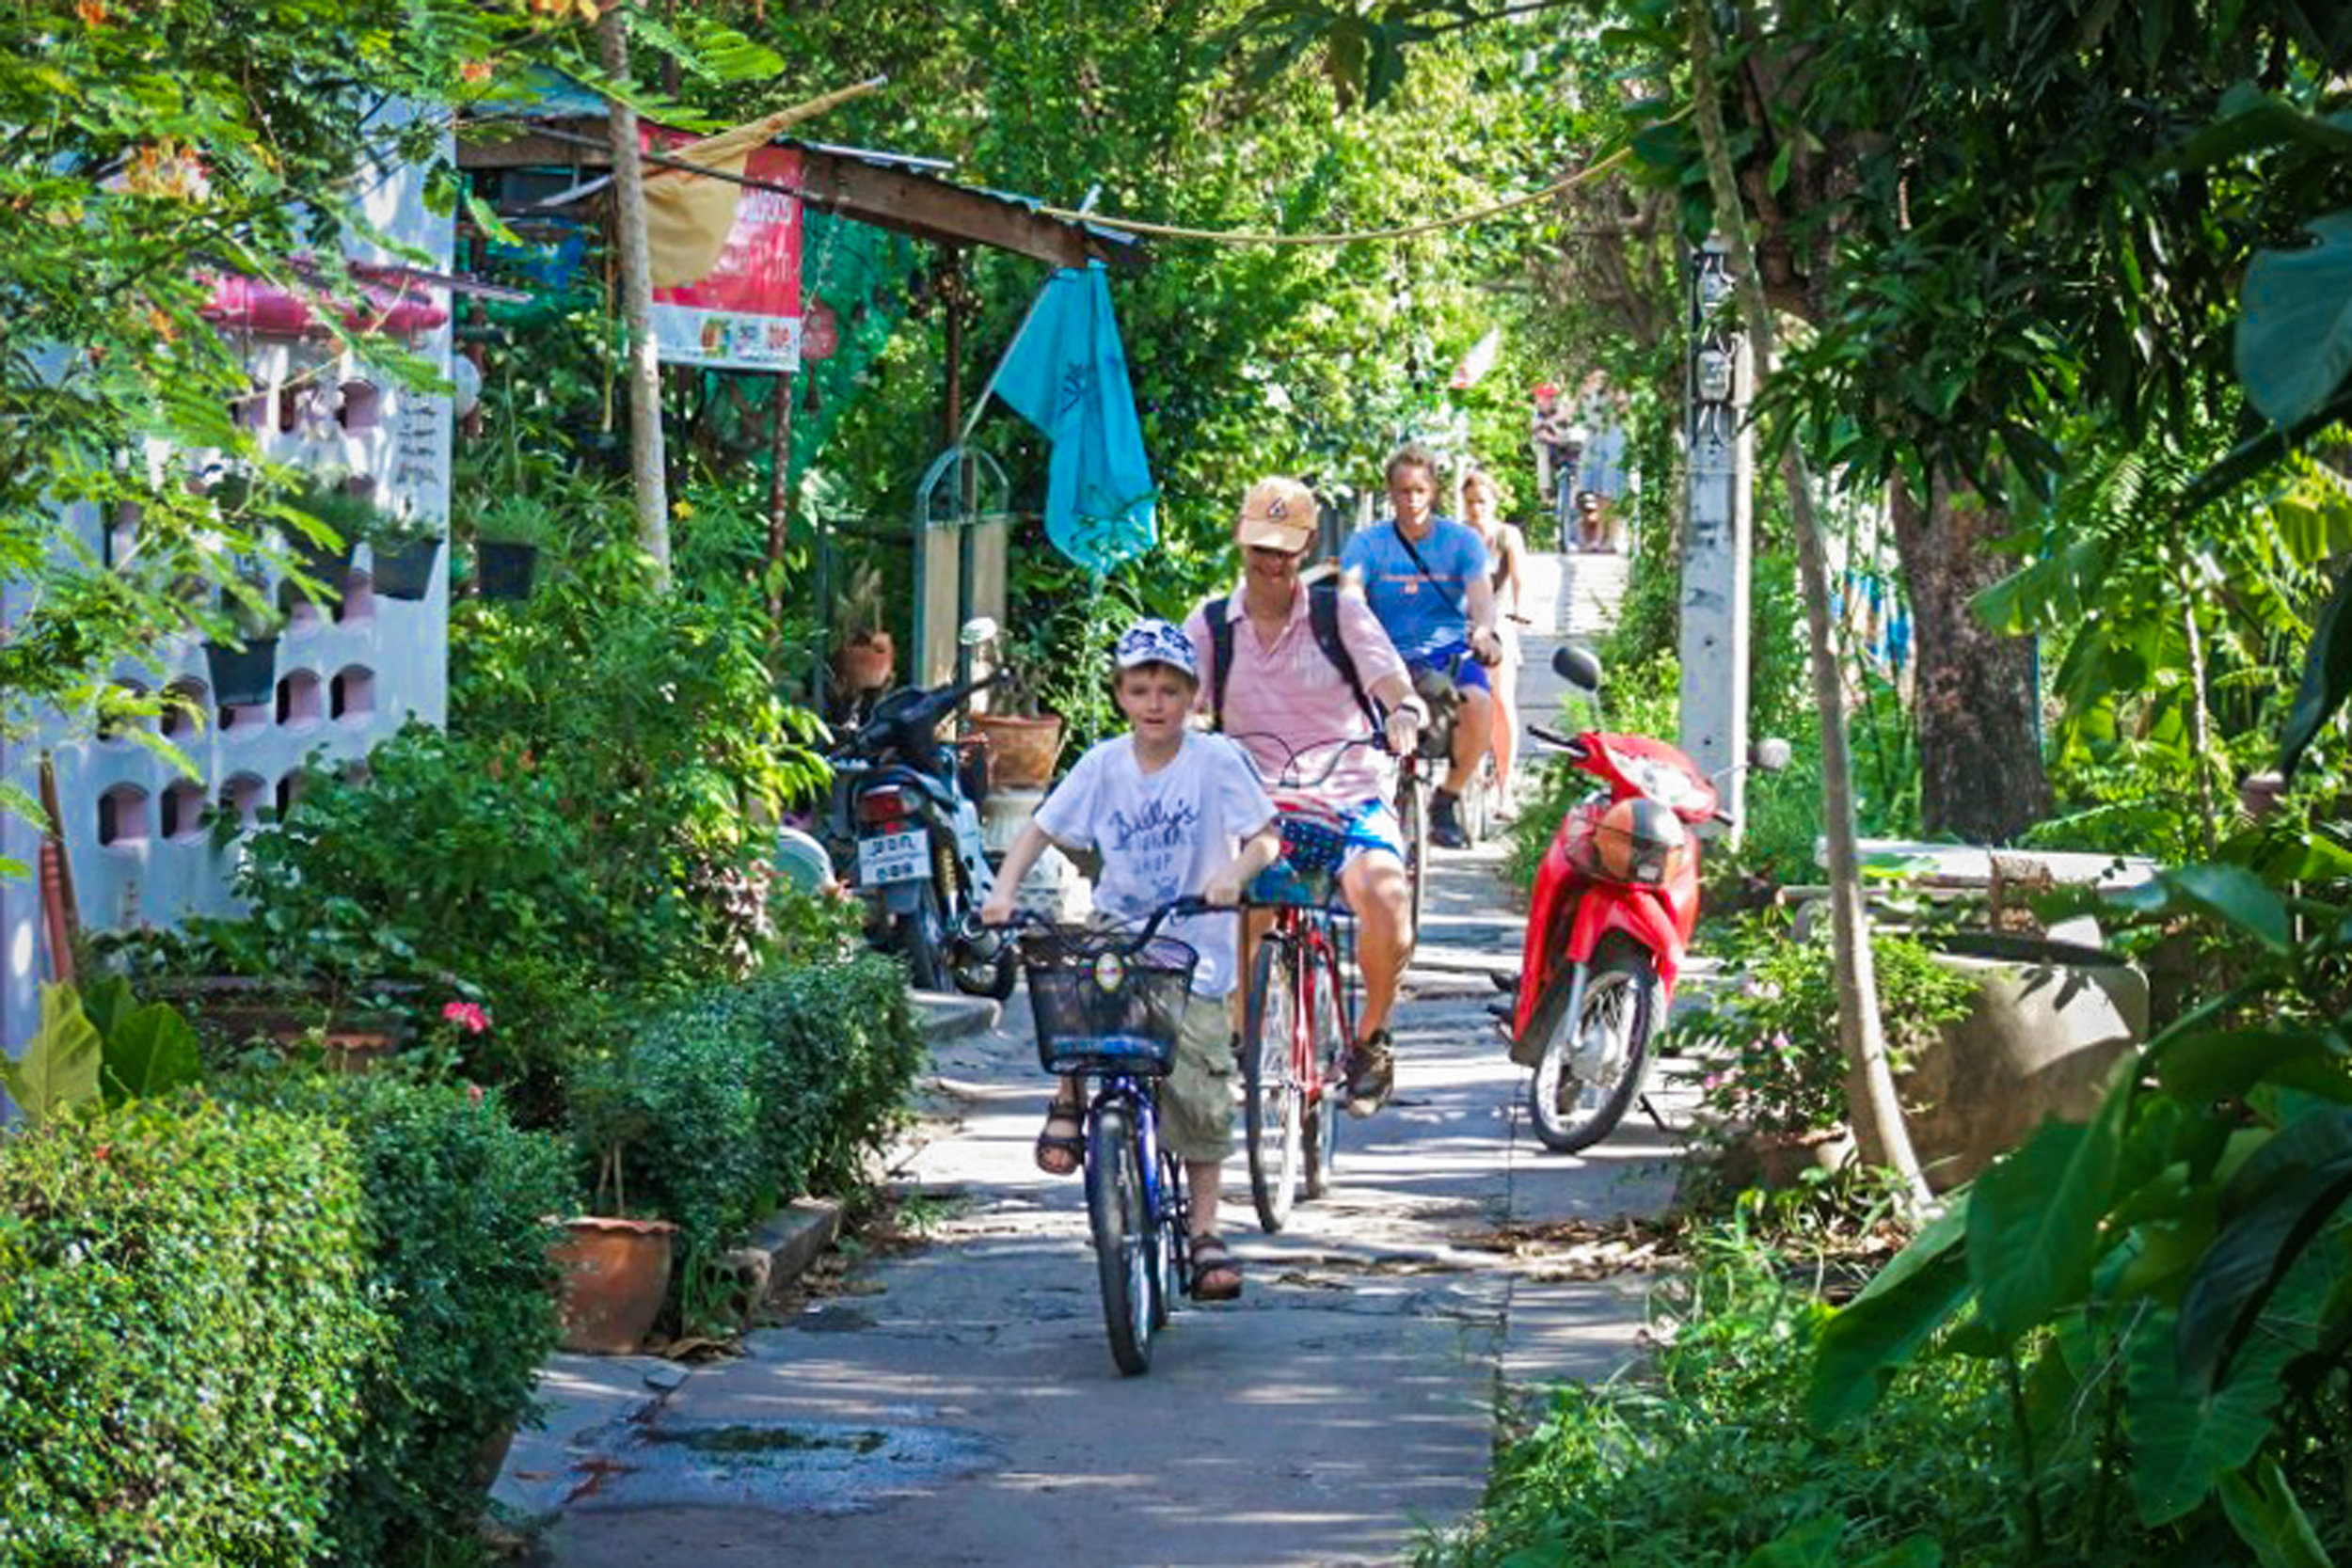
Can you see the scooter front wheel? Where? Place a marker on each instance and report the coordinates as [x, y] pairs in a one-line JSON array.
[[1592, 1065]]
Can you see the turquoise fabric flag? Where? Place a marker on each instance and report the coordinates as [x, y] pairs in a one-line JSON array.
[[1066, 374]]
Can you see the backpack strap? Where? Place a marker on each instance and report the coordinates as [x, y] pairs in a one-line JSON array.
[[1323, 617], [1220, 656]]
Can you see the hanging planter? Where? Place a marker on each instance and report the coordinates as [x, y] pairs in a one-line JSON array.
[[242, 676], [506, 569], [405, 571]]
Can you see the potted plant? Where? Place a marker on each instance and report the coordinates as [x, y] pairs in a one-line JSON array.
[[404, 549], [343, 515], [243, 668], [615, 1269], [508, 535], [866, 655], [1024, 742]]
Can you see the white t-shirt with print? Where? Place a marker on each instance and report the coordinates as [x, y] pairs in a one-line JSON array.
[[1162, 835]]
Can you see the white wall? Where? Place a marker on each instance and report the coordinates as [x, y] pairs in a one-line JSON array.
[[390, 658]]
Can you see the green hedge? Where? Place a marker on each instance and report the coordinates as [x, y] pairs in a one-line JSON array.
[[184, 1334], [745, 1095], [277, 1326], [459, 1204]]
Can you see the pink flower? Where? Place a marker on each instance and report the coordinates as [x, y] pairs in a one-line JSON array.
[[467, 1015]]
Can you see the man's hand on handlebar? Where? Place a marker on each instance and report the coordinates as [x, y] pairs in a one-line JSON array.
[[1486, 646], [1404, 725], [997, 911], [1224, 889]]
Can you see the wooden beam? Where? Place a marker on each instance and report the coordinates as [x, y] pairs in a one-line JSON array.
[[901, 200]]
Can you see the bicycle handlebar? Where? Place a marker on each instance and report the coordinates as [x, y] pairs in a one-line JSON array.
[[1284, 778], [1174, 908]]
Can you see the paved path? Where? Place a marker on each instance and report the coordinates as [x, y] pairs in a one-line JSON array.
[[959, 1405]]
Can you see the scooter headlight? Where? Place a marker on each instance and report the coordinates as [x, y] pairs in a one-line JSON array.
[[1638, 841]]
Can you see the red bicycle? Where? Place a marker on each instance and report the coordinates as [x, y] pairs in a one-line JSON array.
[[1299, 1012]]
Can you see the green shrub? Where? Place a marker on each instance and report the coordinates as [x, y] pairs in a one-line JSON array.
[[1774, 1062], [459, 1202], [184, 1334], [839, 1051], [1704, 1456], [743, 1096]]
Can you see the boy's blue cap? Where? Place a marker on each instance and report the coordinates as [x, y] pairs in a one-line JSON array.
[[1156, 643]]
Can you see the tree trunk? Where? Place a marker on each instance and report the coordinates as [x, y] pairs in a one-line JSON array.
[[1981, 774], [646, 463], [1872, 1105]]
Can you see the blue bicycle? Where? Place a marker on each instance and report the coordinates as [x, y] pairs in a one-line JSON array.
[[1109, 1005]]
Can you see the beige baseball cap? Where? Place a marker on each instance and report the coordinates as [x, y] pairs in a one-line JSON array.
[[1277, 514]]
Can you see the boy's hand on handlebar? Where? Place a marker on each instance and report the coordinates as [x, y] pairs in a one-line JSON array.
[[997, 911], [1224, 889]]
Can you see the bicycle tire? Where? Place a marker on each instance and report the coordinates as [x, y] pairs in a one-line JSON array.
[[1412, 823], [1329, 1016], [1172, 1247], [1271, 1097], [1118, 1214], [1621, 996]]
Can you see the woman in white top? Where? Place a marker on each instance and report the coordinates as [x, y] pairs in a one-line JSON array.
[[1480, 507]]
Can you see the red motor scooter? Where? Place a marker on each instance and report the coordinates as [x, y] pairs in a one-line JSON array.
[[1616, 898]]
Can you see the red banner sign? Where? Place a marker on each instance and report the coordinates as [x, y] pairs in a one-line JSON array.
[[746, 314]]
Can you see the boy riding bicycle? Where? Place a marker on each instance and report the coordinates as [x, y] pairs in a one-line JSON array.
[[1173, 813]]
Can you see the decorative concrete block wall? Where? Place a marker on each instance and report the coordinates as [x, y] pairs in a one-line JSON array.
[[136, 830]]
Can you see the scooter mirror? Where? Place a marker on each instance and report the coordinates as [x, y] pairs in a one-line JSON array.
[[976, 631], [1578, 665], [1772, 754]]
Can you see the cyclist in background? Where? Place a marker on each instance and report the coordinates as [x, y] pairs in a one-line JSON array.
[[1303, 664], [1425, 578], [1174, 814]]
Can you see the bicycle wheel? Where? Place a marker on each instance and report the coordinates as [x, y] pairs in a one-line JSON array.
[[1170, 1245], [1592, 1066], [1271, 1097], [1328, 1013], [1412, 823], [1120, 1217]]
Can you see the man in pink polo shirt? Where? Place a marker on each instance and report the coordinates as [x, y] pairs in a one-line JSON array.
[[1289, 703]]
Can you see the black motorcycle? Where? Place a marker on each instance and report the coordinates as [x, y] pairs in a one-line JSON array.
[[905, 819]]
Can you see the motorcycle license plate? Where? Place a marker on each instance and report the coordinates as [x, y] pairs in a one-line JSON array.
[[893, 857]]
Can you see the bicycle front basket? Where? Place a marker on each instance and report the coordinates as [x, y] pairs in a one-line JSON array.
[[1102, 1005]]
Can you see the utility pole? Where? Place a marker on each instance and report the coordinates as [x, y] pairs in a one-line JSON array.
[[645, 458], [1717, 544]]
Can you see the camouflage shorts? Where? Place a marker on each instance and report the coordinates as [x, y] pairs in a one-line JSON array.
[[1197, 1097]]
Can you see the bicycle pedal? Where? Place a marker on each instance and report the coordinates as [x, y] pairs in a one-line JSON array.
[[1502, 1012]]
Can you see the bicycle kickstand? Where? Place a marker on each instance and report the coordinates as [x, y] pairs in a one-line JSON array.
[[1656, 1120]]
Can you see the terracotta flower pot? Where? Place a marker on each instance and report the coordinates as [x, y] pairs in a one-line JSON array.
[[866, 664], [1021, 751], [616, 1274]]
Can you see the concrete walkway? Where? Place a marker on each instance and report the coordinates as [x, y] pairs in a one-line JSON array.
[[957, 1405]]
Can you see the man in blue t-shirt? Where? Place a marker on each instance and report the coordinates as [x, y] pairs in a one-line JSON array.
[[1426, 578]]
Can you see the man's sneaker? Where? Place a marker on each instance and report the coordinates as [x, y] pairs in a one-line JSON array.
[[1445, 821], [1371, 1074]]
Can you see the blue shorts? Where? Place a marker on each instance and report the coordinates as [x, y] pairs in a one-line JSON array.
[[1456, 659], [1370, 825]]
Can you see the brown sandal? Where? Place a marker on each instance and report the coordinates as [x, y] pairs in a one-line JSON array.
[[1216, 1272], [1062, 1153]]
